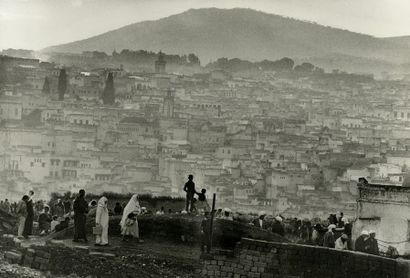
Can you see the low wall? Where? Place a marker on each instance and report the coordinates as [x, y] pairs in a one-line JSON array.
[[187, 228], [262, 259]]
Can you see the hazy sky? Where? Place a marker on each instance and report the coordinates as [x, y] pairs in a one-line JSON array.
[[34, 24]]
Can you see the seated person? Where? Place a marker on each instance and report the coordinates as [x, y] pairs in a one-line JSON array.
[[63, 225], [44, 221]]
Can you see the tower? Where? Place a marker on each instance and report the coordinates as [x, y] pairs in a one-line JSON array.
[[168, 105], [160, 63]]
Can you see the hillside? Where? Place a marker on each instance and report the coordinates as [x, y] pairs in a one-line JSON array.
[[403, 40], [242, 33]]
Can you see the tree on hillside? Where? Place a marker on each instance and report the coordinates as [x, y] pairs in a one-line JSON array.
[[46, 86], [304, 67], [62, 84], [193, 59], [108, 95]]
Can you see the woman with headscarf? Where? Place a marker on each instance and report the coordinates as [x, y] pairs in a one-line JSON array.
[[101, 219], [129, 222]]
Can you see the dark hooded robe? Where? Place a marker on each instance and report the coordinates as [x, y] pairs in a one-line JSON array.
[[28, 225], [80, 207]]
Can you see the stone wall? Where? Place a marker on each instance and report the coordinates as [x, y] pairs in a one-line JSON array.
[[185, 228], [262, 259]]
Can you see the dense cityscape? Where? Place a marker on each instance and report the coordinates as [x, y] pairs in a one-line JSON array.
[[204, 139], [288, 138]]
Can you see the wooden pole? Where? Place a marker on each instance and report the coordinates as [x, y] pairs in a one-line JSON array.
[[209, 246]]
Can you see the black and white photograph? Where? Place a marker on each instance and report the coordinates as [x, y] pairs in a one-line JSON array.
[[205, 138]]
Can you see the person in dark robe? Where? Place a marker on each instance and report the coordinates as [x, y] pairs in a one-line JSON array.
[[277, 226], [361, 242], [80, 217], [28, 225], [329, 237], [372, 245], [118, 209]]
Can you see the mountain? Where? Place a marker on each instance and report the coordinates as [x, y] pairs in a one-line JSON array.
[[247, 34], [403, 40]]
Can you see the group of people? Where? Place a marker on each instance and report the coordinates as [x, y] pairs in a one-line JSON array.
[[61, 214], [337, 234], [192, 204], [129, 222]]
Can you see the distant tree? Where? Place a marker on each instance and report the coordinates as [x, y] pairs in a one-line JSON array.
[[46, 86], [108, 95], [318, 70], [62, 84], [193, 59], [304, 67], [284, 64]]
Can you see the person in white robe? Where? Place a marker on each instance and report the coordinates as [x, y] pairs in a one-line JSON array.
[[102, 219], [129, 221]]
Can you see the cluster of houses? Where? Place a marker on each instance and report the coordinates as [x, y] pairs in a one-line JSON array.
[[295, 144]]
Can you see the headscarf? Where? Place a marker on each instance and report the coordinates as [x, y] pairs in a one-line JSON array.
[[103, 202], [133, 205]]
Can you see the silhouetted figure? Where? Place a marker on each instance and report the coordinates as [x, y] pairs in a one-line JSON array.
[[189, 188], [118, 209], [202, 204], [28, 226], [80, 217]]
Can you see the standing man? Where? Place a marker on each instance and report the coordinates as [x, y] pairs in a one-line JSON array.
[[21, 211], [189, 188], [80, 217], [28, 226]]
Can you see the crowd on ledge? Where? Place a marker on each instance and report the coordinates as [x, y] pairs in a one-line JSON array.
[[335, 232]]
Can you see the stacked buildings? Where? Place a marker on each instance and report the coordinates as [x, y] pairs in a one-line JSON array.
[[289, 144]]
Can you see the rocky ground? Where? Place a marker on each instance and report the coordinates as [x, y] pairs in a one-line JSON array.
[[151, 259], [8, 270]]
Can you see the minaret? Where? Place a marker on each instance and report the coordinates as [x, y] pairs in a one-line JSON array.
[[160, 63], [168, 105]]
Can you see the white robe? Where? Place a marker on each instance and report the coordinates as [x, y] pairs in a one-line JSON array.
[[132, 206], [102, 218]]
